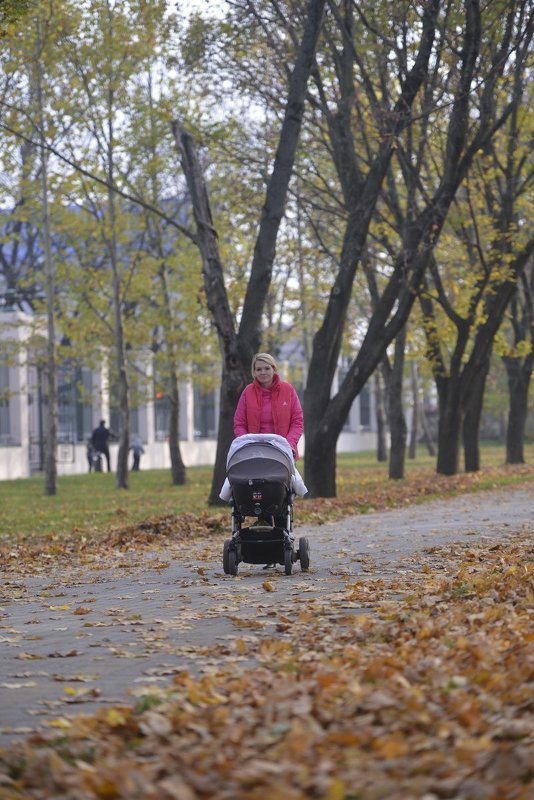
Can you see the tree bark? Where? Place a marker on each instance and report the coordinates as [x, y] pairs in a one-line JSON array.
[[178, 473], [519, 368], [381, 422], [471, 421], [120, 351], [519, 376], [449, 427], [397, 420], [414, 430], [121, 481], [238, 347]]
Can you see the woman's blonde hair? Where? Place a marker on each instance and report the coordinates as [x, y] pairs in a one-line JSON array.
[[264, 357]]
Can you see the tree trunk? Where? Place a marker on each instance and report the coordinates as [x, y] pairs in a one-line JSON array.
[[51, 366], [120, 349], [397, 421], [471, 421], [381, 420], [519, 368], [322, 462], [518, 389], [177, 465], [414, 430], [238, 348], [449, 427], [178, 473], [427, 434], [228, 398], [235, 370]]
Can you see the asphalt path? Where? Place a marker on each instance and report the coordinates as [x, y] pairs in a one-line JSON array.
[[93, 634]]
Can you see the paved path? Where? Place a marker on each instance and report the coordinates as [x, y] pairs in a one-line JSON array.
[[78, 638]]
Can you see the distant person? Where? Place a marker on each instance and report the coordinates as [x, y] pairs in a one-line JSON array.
[[137, 450], [100, 438]]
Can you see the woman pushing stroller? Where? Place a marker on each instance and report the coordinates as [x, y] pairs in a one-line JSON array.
[[269, 404], [262, 478]]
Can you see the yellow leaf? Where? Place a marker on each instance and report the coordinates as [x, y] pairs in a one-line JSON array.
[[268, 586], [199, 697], [336, 790], [116, 717], [107, 790], [64, 607], [60, 722], [391, 747]]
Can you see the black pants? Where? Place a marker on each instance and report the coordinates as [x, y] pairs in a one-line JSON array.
[[104, 449]]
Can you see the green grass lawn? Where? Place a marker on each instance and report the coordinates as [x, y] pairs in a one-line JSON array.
[[91, 502]]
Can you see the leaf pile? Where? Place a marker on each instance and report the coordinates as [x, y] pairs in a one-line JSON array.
[[428, 695], [26, 554]]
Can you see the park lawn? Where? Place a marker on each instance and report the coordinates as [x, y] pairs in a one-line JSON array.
[[92, 506]]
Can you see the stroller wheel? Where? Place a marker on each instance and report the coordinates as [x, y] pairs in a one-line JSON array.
[[232, 562], [226, 554], [288, 561], [229, 558], [304, 553]]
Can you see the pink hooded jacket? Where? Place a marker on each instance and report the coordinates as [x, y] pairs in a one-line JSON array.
[[273, 410]]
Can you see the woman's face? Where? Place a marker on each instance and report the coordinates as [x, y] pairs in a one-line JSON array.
[[264, 373]]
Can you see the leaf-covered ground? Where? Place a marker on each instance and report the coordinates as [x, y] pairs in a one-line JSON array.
[[428, 694], [431, 695]]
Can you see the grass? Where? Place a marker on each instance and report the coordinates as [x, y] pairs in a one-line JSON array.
[[90, 503]]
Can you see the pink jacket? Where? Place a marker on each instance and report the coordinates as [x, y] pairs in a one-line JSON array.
[[274, 410]]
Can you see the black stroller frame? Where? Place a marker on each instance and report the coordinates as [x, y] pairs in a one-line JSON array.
[[261, 478]]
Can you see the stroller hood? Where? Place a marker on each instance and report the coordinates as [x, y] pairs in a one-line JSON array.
[[259, 461], [276, 465]]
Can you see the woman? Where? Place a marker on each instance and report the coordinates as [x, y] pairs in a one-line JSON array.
[[269, 404]]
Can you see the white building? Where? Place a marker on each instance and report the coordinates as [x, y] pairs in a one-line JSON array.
[[84, 399]]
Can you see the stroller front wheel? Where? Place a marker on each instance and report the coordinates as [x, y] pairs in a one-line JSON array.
[[304, 553], [229, 558], [288, 560]]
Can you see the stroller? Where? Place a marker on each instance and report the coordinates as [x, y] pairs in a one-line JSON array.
[[262, 482]]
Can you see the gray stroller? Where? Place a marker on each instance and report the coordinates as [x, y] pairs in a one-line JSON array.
[[261, 477]]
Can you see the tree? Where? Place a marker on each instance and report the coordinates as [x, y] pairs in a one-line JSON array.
[[50, 291], [494, 249], [11, 13], [324, 415], [32, 71], [238, 347], [469, 85], [107, 57]]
